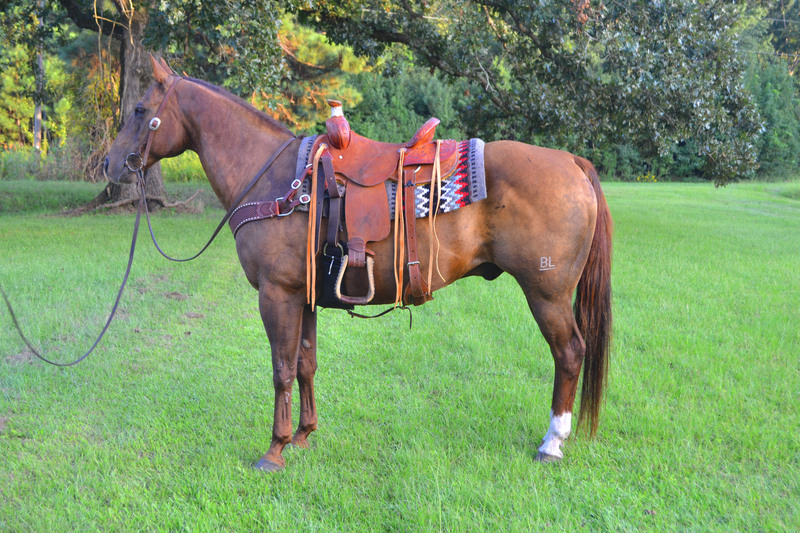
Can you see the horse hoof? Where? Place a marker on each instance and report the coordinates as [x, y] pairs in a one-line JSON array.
[[545, 458], [265, 465]]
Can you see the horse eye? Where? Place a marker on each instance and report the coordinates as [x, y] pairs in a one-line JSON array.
[[139, 111]]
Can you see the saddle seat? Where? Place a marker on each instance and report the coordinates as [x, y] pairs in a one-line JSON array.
[[367, 163]]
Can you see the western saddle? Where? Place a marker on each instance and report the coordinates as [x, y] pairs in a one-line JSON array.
[[350, 171]]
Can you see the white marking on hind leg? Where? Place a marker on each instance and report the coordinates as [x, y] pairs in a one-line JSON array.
[[557, 433]]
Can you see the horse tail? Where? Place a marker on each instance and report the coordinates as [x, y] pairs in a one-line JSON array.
[[593, 307]]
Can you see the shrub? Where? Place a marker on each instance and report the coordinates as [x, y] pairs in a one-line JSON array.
[[182, 169]]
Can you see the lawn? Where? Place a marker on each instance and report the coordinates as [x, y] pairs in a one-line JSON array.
[[430, 429]]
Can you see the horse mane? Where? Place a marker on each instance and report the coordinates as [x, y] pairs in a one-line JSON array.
[[242, 103]]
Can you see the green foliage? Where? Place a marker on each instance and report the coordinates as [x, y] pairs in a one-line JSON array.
[[683, 90], [781, 18], [233, 43], [16, 102], [777, 98], [316, 71], [397, 102], [63, 162], [183, 169], [640, 73], [19, 38]]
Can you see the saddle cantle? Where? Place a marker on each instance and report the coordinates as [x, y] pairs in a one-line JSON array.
[[355, 170]]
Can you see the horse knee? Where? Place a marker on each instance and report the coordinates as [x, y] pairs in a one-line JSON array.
[[283, 379]]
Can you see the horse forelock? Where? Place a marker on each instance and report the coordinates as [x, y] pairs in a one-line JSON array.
[[241, 103]]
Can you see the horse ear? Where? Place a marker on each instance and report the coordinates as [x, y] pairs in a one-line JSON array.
[[165, 65], [159, 73]]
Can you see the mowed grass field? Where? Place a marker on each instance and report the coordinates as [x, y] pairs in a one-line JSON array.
[[430, 429]]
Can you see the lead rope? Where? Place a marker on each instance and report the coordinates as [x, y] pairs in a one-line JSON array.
[[34, 351]]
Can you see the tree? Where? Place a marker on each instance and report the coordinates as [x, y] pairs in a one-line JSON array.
[[654, 75], [783, 23], [126, 24], [233, 41], [22, 83], [315, 71]]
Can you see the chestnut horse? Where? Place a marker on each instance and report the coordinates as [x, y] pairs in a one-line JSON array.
[[545, 221]]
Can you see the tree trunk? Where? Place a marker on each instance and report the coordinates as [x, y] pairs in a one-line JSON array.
[[135, 77], [38, 126]]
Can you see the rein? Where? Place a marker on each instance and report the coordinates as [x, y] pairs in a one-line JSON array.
[[136, 163], [35, 352], [234, 206]]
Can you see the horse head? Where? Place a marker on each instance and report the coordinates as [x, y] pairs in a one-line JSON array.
[[153, 131]]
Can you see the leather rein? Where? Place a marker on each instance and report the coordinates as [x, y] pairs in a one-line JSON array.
[[136, 163]]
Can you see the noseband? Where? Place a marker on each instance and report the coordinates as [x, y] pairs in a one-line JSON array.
[[135, 162]]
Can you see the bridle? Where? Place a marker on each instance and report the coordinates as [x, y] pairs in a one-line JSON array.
[[136, 162]]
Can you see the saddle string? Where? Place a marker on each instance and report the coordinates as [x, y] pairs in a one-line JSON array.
[[399, 233], [311, 244], [436, 184]]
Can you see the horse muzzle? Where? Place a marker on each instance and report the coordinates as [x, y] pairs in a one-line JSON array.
[[126, 172]]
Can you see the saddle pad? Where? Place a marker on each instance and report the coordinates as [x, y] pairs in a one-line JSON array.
[[465, 186]]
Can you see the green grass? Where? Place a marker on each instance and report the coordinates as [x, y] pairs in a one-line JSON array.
[[53, 197], [433, 429]]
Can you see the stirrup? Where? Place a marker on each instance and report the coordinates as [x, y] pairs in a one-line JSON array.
[[355, 300]]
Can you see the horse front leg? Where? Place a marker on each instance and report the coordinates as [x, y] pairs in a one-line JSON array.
[[282, 314], [306, 367]]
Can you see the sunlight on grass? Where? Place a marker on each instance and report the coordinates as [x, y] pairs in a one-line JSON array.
[[430, 429]]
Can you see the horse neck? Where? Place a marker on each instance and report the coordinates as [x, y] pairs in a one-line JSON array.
[[232, 141]]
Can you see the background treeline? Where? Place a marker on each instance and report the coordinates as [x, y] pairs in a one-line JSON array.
[[677, 90]]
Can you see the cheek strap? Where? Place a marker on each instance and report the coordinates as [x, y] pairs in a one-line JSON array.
[[136, 162]]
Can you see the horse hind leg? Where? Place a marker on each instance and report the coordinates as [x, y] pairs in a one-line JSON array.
[[557, 323], [306, 368]]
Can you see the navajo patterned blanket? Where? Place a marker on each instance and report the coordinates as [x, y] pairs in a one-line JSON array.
[[465, 186]]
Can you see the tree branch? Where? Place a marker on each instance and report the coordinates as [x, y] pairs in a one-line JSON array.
[[87, 21]]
